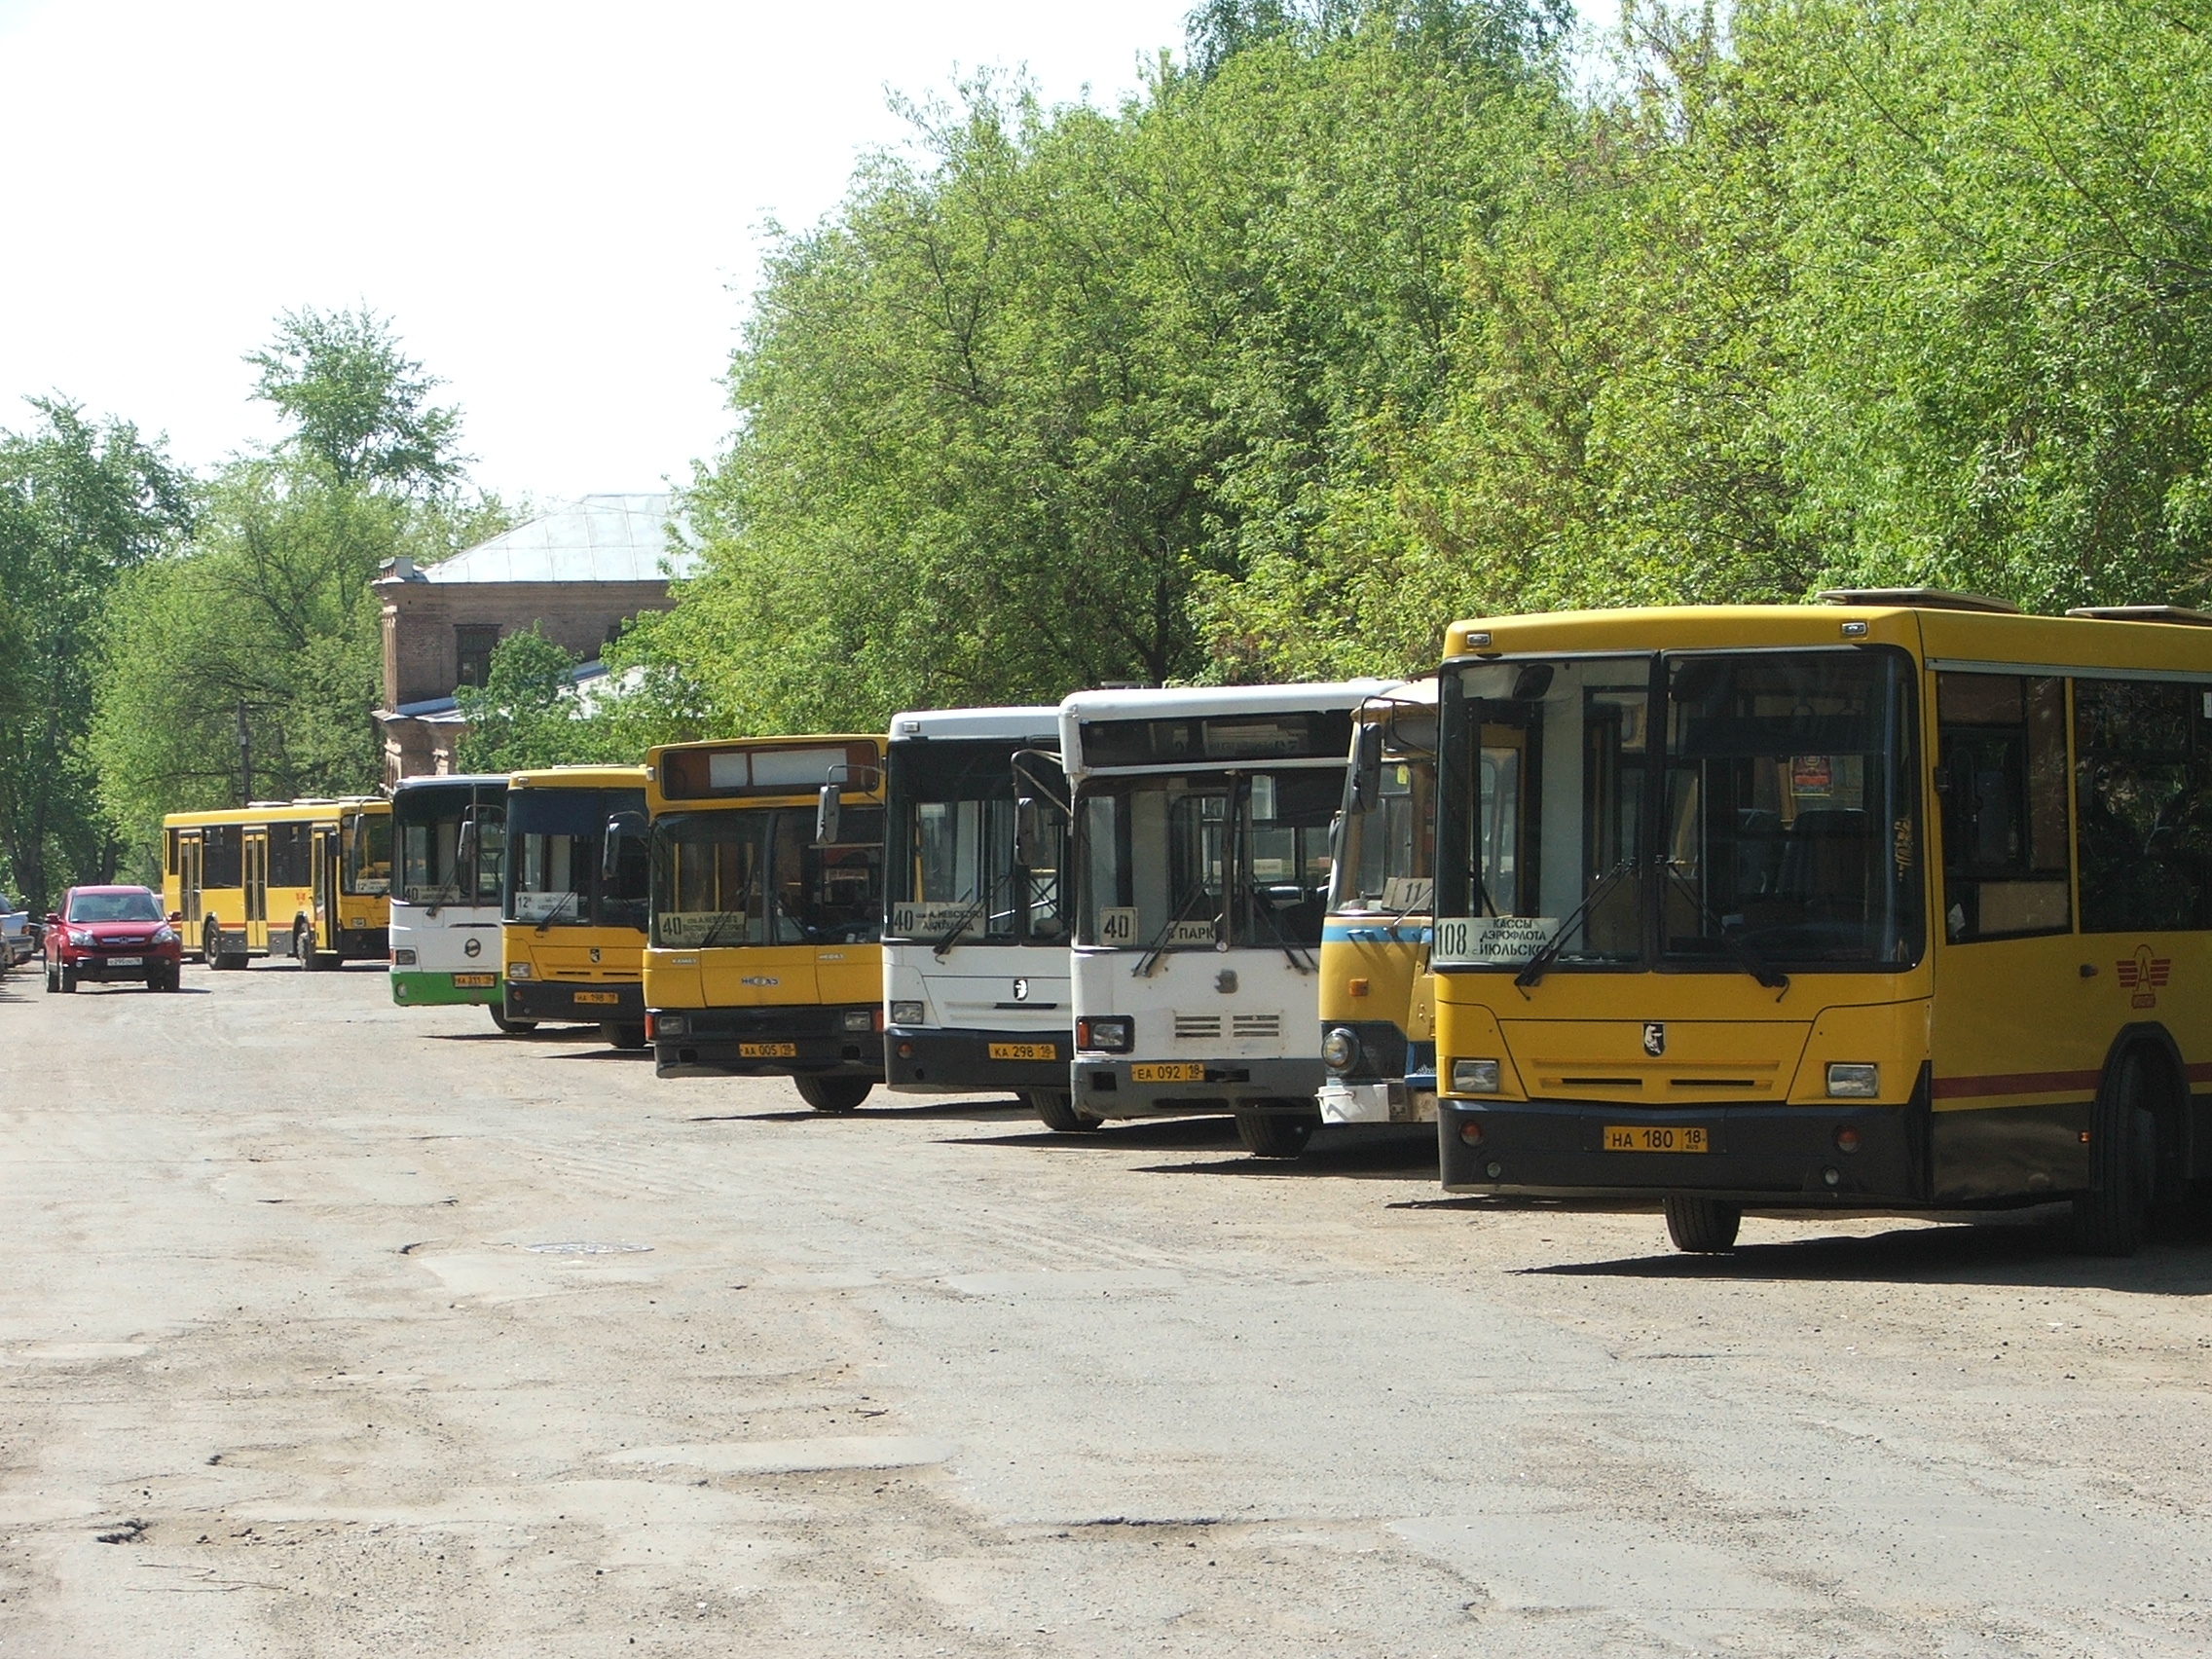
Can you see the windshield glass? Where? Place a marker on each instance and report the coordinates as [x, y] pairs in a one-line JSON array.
[[114, 907], [1196, 860], [1778, 831], [1386, 846], [368, 853], [953, 808], [426, 823], [756, 877], [556, 840]]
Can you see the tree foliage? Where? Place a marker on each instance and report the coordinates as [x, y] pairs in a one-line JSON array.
[[358, 403]]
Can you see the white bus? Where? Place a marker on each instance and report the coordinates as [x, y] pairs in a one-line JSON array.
[[449, 844], [975, 952], [1200, 848]]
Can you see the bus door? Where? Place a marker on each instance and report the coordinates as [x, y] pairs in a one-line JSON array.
[[188, 874], [256, 889], [324, 864]]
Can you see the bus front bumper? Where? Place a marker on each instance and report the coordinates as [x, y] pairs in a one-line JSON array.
[[582, 1002], [1778, 1155], [930, 1057], [419, 988], [812, 1041], [362, 943], [1111, 1088]]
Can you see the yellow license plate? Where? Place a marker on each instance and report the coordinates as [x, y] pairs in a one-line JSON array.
[[1169, 1071], [1024, 1051], [599, 999], [1652, 1137], [477, 980], [767, 1050]]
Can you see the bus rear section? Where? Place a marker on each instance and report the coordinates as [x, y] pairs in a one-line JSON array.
[[353, 896], [448, 843], [976, 954], [575, 899], [1200, 842], [768, 910], [1377, 1038], [1892, 904], [247, 882]]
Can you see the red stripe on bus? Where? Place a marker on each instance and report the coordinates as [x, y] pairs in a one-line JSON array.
[[2013, 1083], [2201, 1072]]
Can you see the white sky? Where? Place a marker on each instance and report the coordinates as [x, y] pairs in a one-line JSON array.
[[560, 206]]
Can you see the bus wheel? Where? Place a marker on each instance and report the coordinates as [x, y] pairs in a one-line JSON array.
[[303, 946], [832, 1094], [622, 1036], [1056, 1110], [1703, 1225], [2110, 1218], [512, 1027], [211, 945], [1276, 1134]]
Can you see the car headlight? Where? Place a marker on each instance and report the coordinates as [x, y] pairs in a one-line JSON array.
[[164, 935], [1853, 1079], [80, 939], [1338, 1048], [520, 971], [908, 1013], [1112, 1036], [1474, 1077]]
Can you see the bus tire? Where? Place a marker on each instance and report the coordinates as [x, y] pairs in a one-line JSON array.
[[1276, 1134], [304, 947], [622, 1036], [2110, 1218], [211, 945], [512, 1027], [1701, 1225], [832, 1094], [1056, 1110]]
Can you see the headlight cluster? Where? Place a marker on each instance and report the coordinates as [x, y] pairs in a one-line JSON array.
[[1338, 1048], [1851, 1079], [521, 971], [80, 939], [860, 1019], [164, 935], [1474, 1077], [908, 1013], [1116, 1035], [403, 958]]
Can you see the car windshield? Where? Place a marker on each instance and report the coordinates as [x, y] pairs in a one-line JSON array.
[[953, 822], [757, 877], [140, 907]]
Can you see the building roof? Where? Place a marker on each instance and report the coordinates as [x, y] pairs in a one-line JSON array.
[[595, 538]]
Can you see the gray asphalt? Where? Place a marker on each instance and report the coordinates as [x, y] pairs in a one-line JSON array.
[[331, 1328]]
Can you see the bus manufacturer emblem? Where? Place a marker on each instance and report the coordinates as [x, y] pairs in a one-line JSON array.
[[2144, 974], [1654, 1038], [472, 948], [1021, 990], [595, 953], [759, 979]]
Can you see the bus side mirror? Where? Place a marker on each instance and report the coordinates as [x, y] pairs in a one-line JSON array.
[[1366, 771], [623, 824], [464, 844], [1032, 834], [827, 811]]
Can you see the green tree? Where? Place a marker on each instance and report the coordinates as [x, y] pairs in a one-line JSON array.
[[358, 402], [83, 503]]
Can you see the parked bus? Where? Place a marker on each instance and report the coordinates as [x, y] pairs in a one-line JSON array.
[[1899, 902], [768, 907], [449, 837], [306, 880], [975, 952], [575, 900], [1375, 1037], [1202, 850]]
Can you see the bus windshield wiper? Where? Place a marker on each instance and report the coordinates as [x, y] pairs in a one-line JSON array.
[[944, 946], [1546, 953], [1740, 948], [1158, 947], [547, 921]]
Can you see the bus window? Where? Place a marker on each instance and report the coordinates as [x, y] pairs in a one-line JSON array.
[[221, 863], [838, 898], [707, 879], [368, 853], [2146, 823], [290, 856], [2002, 782]]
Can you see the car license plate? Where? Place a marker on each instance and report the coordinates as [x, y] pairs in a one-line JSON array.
[[1657, 1137], [1024, 1051], [1169, 1071], [767, 1050], [476, 981], [126, 961], [599, 999]]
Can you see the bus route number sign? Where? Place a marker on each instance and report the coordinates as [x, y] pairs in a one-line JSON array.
[[1466, 941], [1118, 925]]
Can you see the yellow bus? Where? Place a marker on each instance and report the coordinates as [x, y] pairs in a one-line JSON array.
[[572, 920], [1901, 901], [768, 910], [1377, 1041], [307, 879]]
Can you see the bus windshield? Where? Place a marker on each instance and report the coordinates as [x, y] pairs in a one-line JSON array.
[[1385, 843], [556, 839], [1775, 826], [757, 876], [427, 824], [368, 853], [1201, 860], [953, 823]]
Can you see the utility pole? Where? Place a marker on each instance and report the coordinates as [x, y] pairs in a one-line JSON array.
[[245, 759]]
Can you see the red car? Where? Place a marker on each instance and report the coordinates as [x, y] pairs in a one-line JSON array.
[[111, 933]]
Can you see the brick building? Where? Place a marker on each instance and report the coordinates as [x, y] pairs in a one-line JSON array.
[[577, 573]]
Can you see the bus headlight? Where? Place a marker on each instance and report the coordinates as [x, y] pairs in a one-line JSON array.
[[403, 958], [664, 1025], [1338, 1048], [1474, 1077], [520, 971], [858, 1019], [1852, 1080], [907, 1013], [1115, 1036]]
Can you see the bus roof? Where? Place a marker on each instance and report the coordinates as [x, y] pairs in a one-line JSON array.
[[276, 812], [579, 778], [1166, 702], [1038, 723], [453, 781], [742, 772]]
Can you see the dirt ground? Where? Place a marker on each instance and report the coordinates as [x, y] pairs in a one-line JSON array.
[[332, 1328]]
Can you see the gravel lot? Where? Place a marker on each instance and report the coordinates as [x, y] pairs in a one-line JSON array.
[[331, 1328]]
